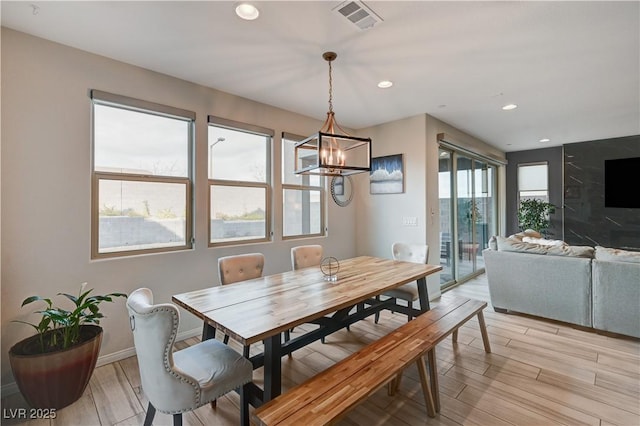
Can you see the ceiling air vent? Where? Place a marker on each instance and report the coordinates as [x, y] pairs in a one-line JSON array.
[[359, 14]]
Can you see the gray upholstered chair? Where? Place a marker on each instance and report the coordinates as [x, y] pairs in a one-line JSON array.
[[417, 253], [306, 256], [241, 267], [180, 381]]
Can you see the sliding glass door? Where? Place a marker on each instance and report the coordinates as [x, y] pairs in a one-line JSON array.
[[468, 214]]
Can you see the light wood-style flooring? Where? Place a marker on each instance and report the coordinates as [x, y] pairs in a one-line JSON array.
[[540, 373]]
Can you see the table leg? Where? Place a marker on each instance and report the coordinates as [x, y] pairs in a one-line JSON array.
[[208, 332], [423, 295], [272, 367]]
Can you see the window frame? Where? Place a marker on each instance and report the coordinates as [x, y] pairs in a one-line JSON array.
[[520, 191], [300, 187], [98, 97], [267, 186]]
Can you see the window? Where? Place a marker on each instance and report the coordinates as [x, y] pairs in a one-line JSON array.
[[141, 174], [533, 181], [239, 182], [302, 195]]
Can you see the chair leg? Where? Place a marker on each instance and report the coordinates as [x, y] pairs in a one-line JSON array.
[[245, 352], [377, 317], [287, 335], [225, 340], [244, 405], [410, 315], [177, 419], [151, 412]]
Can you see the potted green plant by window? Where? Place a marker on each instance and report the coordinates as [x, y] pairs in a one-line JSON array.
[[52, 368], [534, 214]]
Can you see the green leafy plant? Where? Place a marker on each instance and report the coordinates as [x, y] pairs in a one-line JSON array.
[[60, 328], [534, 214]]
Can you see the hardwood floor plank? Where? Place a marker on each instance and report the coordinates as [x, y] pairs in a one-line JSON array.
[[539, 360], [572, 400], [84, 408], [550, 342], [588, 344], [114, 397], [413, 413], [517, 394], [502, 408], [619, 383], [494, 360], [593, 392], [467, 414]]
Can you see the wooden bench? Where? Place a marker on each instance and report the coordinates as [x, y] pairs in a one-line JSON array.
[[326, 397]]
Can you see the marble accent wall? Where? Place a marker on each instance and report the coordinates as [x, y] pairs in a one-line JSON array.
[[586, 220]]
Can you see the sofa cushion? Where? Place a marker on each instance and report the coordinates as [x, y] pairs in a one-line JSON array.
[[617, 255], [572, 251], [513, 244]]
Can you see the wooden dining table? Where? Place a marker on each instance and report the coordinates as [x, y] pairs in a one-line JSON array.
[[263, 308]]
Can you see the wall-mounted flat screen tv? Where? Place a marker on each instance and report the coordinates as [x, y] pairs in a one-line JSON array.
[[622, 183]]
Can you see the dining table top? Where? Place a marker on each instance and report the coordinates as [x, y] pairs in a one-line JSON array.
[[252, 310]]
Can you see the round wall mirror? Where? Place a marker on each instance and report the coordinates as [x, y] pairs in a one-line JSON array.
[[342, 190]]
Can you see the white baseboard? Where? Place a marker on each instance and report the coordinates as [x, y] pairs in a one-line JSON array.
[[12, 388]]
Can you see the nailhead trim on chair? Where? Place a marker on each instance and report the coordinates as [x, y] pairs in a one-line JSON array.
[[168, 350]]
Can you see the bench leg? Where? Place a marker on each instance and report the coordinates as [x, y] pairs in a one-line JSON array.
[[433, 370], [483, 331], [426, 388], [394, 384]]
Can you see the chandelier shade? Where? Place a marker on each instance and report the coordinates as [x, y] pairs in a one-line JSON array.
[[332, 151]]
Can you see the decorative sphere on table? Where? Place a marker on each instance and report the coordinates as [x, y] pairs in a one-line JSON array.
[[330, 267]]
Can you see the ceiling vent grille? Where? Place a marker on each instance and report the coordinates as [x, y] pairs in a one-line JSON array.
[[359, 14]]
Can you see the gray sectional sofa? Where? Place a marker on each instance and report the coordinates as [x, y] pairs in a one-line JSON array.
[[598, 288]]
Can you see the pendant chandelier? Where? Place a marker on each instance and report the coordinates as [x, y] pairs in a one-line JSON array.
[[332, 151]]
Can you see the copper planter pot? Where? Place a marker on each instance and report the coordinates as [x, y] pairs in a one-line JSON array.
[[56, 379]]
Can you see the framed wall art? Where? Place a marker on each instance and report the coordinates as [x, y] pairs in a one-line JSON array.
[[387, 175]]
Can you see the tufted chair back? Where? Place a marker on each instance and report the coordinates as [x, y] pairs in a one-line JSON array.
[[306, 256], [154, 332], [416, 253], [242, 267]]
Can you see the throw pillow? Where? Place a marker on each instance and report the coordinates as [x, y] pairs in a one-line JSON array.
[[526, 233], [515, 245], [617, 255]]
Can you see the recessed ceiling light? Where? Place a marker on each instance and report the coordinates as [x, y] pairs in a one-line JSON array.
[[385, 84], [247, 11], [509, 107], [545, 140]]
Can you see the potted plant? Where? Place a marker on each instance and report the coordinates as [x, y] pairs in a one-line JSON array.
[[534, 214], [52, 368]]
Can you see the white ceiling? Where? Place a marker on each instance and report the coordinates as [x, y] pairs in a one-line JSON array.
[[572, 67]]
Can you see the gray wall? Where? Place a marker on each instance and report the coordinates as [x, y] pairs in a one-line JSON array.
[[553, 157], [586, 220]]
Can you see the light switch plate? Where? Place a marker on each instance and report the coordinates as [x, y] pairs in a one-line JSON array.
[[410, 221]]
